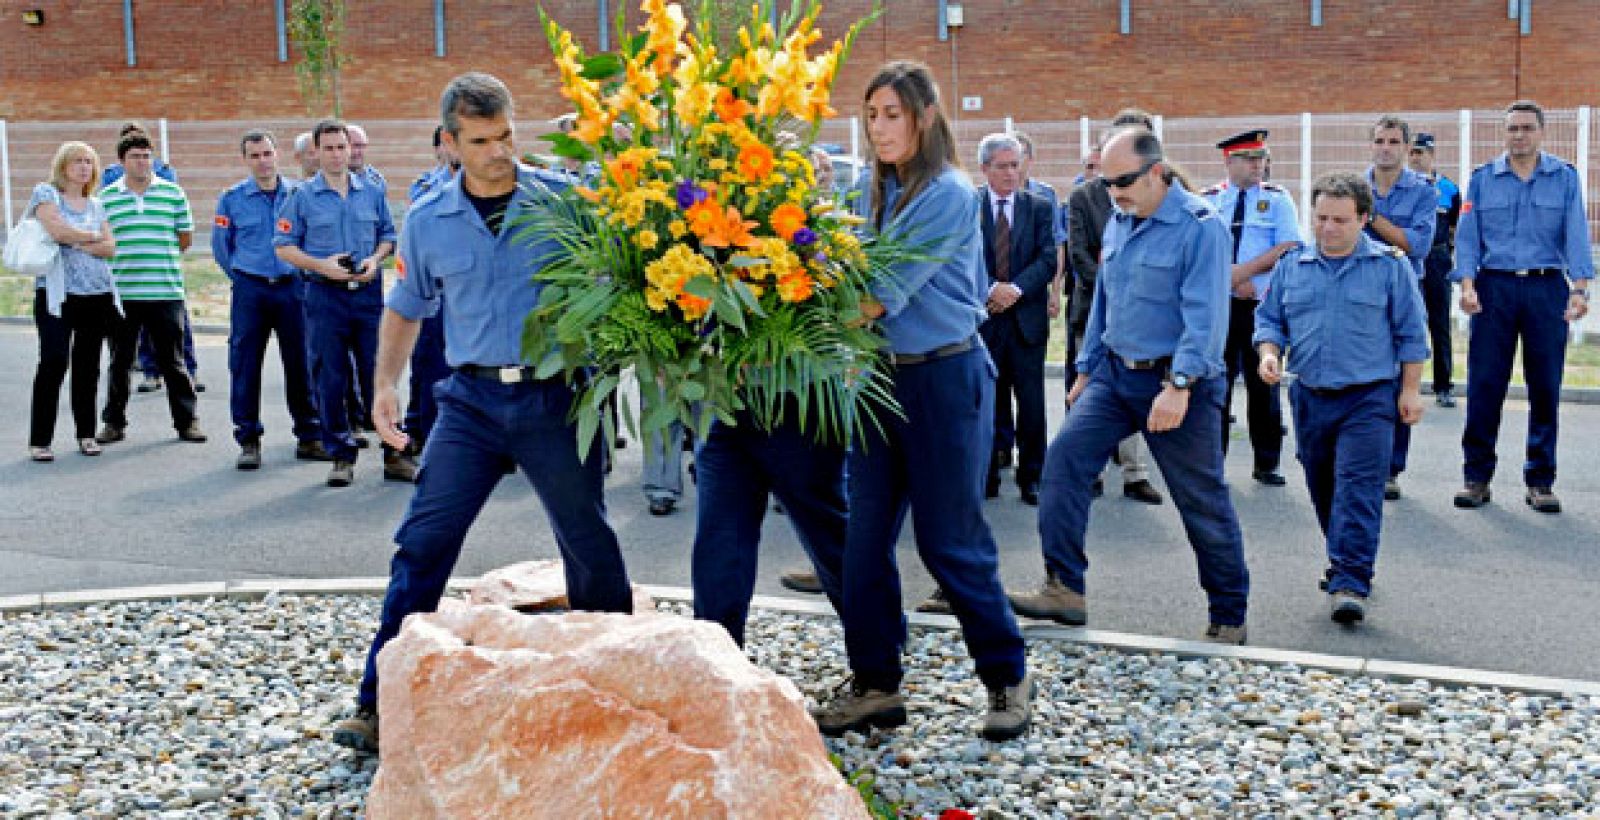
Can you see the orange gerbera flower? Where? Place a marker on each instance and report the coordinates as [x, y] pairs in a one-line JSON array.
[[786, 219], [731, 109], [755, 161], [796, 287], [693, 306], [719, 227]]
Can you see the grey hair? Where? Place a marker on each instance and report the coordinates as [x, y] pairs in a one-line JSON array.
[[302, 141], [997, 142], [1344, 185], [1388, 121], [473, 94]]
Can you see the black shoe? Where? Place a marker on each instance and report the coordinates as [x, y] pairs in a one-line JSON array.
[[936, 603], [342, 474], [150, 384], [1271, 478], [1098, 488], [1444, 399], [399, 467], [1348, 608], [249, 456], [361, 441], [991, 487], [662, 506], [1391, 489], [359, 731], [1030, 493], [1142, 491], [311, 451], [199, 387], [1474, 495]]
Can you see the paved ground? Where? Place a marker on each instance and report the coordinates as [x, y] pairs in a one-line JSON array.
[[1501, 588]]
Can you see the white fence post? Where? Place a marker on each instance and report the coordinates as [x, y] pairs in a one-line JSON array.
[[1464, 162], [1581, 162], [1160, 125], [1010, 126], [855, 138], [1083, 136], [5, 177], [1306, 175], [166, 155]]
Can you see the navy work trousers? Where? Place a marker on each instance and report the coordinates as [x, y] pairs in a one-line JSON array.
[[736, 468], [259, 310], [1114, 405], [1527, 308], [481, 424], [1340, 439], [931, 464], [428, 367], [341, 324]]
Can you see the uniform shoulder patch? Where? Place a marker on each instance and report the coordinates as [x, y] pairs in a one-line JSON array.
[[285, 226], [221, 221], [1202, 210]]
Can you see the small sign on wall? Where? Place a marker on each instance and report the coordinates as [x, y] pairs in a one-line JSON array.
[[971, 103]]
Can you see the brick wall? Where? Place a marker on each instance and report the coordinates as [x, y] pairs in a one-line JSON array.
[[1030, 59]]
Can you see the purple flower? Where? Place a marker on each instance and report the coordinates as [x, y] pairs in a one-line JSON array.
[[689, 194], [804, 237]]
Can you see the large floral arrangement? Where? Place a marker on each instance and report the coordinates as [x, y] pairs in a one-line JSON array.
[[698, 250]]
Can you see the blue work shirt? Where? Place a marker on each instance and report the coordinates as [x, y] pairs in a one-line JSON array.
[[1163, 288], [1510, 224], [374, 176], [1058, 214], [321, 223], [939, 301], [1412, 204], [1346, 320], [243, 228], [486, 280], [431, 179], [1270, 219]]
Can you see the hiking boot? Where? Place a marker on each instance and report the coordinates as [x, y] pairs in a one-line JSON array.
[[1224, 634], [1391, 489], [1348, 607], [342, 474], [249, 456], [311, 451], [110, 435], [191, 432], [1542, 499], [936, 603], [802, 580], [359, 731], [855, 708], [1010, 707], [399, 467], [150, 384], [1054, 601], [1474, 495]]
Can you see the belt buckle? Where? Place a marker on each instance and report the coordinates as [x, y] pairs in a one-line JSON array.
[[510, 375], [1522, 273]]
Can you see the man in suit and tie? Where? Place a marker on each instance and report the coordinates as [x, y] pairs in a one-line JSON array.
[[1020, 255]]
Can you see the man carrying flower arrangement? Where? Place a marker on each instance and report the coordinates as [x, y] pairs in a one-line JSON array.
[[463, 255]]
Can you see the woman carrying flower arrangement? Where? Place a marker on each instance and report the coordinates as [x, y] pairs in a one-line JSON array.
[[931, 460]]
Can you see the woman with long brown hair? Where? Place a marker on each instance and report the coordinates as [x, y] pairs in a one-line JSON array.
[[75, 304], [932, 460]]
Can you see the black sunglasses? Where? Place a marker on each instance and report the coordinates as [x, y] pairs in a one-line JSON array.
[[1131, 177]]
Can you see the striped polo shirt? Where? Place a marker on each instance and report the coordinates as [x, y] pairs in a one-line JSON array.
[[146, 229]]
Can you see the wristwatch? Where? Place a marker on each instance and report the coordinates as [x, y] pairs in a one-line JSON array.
[[1180, 381]]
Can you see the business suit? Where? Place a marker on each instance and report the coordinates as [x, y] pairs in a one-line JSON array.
[[1016, 336]]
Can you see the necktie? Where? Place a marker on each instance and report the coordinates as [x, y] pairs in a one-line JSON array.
[[1002, 245], [1238, 224]]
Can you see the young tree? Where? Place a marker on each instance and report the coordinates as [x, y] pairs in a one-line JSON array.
[[316, 27]]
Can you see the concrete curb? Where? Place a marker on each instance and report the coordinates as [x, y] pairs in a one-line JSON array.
[[1570, 395], [1340, 664]]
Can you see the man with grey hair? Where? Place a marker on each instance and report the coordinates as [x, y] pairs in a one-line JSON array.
[[1152, 363], [305, 153], [455, 248], [1349, 311], [358, 158]]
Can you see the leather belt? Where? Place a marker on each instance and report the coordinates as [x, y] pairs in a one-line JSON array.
[[1524, 272], [341, 284], [281, 280], [903, 359], [509, 374], [1326, 392], [1143, 364]]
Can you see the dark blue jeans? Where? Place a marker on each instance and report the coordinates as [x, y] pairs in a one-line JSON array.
[[1529, 309], [481, 424], [341, 325], [259, 310], [736, 468], [1341, 438], [930, 464], [1114, 405]]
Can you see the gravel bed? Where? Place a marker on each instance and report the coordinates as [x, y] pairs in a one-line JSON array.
[[218, 708]]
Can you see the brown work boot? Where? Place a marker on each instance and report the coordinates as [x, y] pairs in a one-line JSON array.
[[192, 433], [359, 731], [110, 435], [1473, 496], [1054, 601], [936, 603], [249, 456], [1348, 607], [1543, 499], [399, 467], [1010, 708], [311, 450], [1224, 634], [342, 474], [855, 708], [802, 580]]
